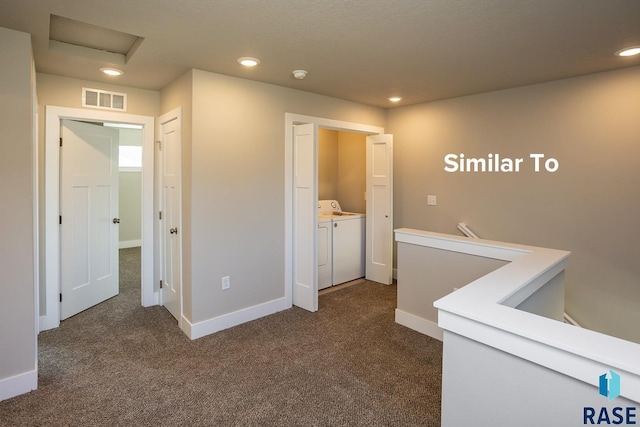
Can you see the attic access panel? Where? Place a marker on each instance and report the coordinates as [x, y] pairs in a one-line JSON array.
[[90, 40]]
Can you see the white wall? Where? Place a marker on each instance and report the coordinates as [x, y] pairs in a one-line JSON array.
[[18, 362], [589, 206]]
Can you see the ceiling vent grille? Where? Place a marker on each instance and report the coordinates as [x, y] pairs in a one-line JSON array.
[[104, 100]]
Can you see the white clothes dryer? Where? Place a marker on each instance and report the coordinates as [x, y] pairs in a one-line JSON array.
[[348, 241], [348, 247]]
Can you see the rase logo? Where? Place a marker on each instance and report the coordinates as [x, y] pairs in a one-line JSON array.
[[609, 387], [610, 384]]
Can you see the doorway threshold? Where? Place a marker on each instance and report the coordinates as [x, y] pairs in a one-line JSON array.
[[341, 286]]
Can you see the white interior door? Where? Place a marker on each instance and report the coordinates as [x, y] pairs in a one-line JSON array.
[[305, 217], [89, 216], [379, 239], [170, 156]]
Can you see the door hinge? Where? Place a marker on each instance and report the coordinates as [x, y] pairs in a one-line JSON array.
[[160, 284], [160, 215], [60, 220], [60, 141], [159, 145], [60, 296]]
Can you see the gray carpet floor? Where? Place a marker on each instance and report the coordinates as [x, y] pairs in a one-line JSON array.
[[349, 364]]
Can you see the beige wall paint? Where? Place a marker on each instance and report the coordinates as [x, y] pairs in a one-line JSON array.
[[237, 176], [67, 92], [427, 274], [327, 164], [17, 316], [589, 206], [352, 171], [130, 209], [342, 168]]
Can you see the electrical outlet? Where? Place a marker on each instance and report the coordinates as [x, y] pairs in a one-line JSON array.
[[226, 284], [431, 200]]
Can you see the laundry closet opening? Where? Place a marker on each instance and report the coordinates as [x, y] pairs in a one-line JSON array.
[[301, 204], [342, 180]]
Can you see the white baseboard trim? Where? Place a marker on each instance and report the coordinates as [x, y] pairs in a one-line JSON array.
[[125, 244], [48, 322], [210, 326], [419, 324], [19, 384]]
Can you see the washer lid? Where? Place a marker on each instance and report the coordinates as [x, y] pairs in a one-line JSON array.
[[345, 216], [322, 218]]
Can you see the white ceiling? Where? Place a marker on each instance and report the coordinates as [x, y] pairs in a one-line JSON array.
[[360, 50]]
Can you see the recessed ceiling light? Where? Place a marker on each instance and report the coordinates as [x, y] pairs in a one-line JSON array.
[[247, 61], [630, 51], [395, 98], [112, 71]]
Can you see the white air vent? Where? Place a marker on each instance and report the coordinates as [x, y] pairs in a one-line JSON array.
[[102, 99]]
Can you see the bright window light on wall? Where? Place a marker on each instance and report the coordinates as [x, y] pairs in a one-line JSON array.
[[121, 125], [130, 158]]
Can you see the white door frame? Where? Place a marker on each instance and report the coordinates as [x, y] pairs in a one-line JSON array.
[[53, 114], [290, 120]]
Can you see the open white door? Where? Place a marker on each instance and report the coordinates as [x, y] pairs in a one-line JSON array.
[[170, 158], [88, 216], [379, 240], [305, 217]]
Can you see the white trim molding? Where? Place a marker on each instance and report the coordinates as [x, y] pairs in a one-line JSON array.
[[419, 324], [18, 384], [229, 320]]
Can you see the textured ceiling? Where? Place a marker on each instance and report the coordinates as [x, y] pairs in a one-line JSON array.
[[360, 50]]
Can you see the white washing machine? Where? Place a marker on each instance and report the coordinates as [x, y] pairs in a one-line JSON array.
[[348, 242], [325, 251]]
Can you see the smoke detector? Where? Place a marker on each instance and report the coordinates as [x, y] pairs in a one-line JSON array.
[[300, 74]]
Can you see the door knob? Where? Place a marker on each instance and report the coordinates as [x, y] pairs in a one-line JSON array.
[[173, 230], [116, 220]]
